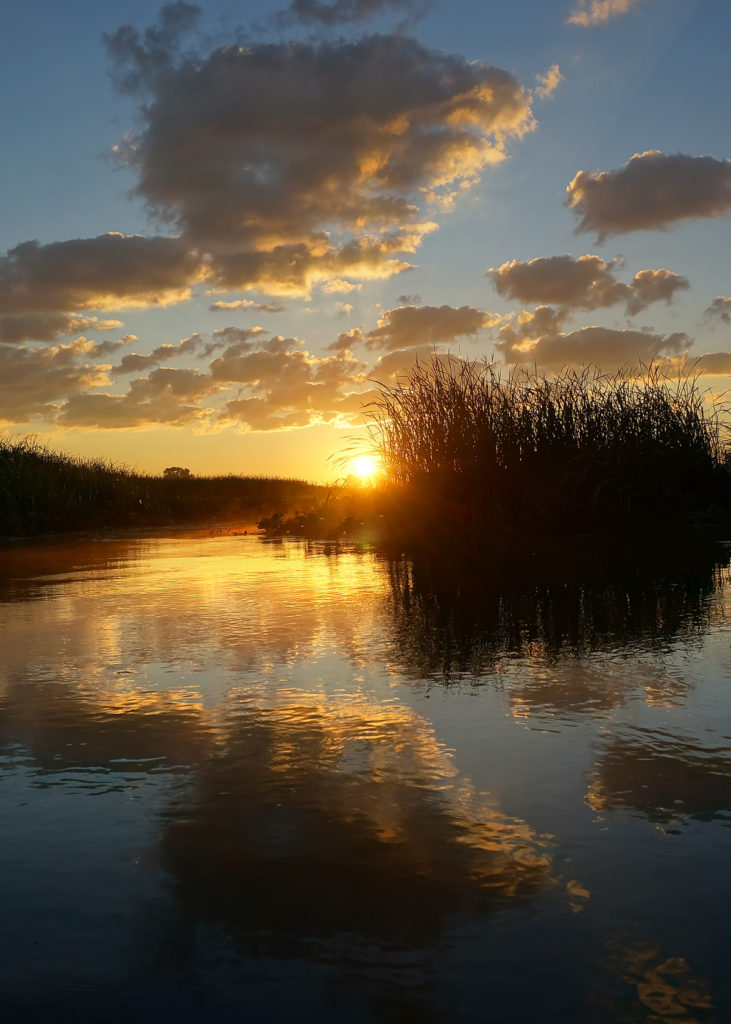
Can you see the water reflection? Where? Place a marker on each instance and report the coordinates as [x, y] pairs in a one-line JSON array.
[[59, 730], [464, 614], [647, 984], [665, 777], [314, 819], [288, 807]]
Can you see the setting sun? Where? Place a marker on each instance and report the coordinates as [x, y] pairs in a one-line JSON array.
[[366, 468]]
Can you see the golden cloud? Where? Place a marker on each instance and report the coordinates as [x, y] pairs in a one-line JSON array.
[[35, 381], [418, 326], [589, 13], [547, 84], [296, 163]]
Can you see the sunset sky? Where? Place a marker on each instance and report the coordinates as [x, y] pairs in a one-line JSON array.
[[220, 224]]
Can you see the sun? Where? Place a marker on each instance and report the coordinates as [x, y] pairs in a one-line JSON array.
[[366, 468]]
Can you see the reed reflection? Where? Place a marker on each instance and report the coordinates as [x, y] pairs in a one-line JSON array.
[[32, 571], [464, 615]]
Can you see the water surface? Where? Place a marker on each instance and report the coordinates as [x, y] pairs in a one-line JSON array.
[[301, 781]]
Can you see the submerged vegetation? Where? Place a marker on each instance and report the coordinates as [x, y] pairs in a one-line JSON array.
[[45, 491], [468, 447]]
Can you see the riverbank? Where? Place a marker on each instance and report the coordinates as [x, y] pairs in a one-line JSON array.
[[47, 492]]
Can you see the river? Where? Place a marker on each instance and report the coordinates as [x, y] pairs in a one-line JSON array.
[[278, 780]]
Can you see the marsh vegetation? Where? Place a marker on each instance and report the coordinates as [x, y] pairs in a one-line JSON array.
[[42, 490], [463, 447], [469, 446]]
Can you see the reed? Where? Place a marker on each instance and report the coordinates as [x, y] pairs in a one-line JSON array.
[[44, 490], [465, 444]]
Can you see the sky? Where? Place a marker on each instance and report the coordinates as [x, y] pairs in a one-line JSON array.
[[222, 225]]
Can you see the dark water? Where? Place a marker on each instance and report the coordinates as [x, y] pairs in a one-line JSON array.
[[242, 780]]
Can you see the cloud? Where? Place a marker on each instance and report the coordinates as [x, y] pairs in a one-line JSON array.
[[15, 328], [419, 326], [346, 340], [292, 270], [341, 12], [275, 167], [721, 308], [713, 364], [166, 396], [544, 320], [108, 348], [227, 336], [595, 346], [134, 362], [547, 84], [34, 381], [288, 387], [265, 385], [139, 60], [340, 287], [598, 12], [257, 307], [111, 271], [654, 286], [291, 164], [584, 283], [653, 190], [398, 365]]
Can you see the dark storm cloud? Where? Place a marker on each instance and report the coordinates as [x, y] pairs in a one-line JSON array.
[[584, 283], [108, 272], [652, 190]]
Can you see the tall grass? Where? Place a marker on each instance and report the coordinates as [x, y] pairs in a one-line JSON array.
[[43, 490], [466, 444]]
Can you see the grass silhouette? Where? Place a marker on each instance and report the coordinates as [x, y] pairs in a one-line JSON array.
[[465, 445], [45, 491], [466, 448]]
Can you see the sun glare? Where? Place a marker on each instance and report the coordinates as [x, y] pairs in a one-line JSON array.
[[366, 468]]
